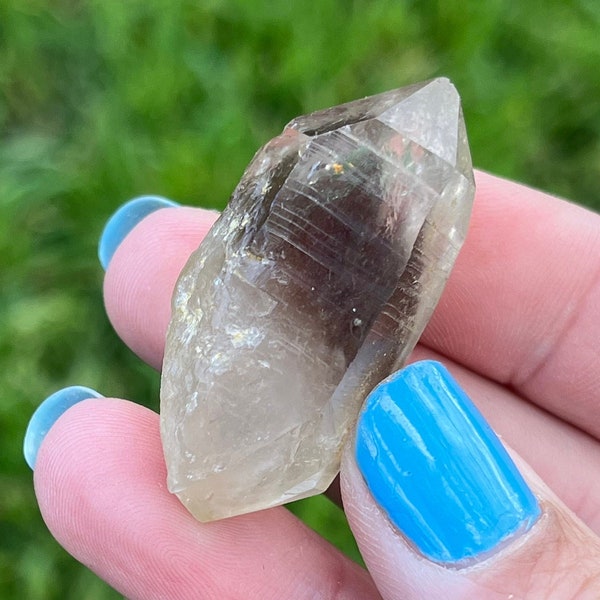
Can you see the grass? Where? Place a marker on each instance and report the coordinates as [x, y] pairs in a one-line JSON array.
[[104, 100]]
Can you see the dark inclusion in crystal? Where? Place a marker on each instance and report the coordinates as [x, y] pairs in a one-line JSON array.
[[315, 283]]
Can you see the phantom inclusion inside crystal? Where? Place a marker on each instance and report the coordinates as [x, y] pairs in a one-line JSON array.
[[314, 285]]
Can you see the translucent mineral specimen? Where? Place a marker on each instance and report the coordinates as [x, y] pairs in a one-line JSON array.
[[315, 283]]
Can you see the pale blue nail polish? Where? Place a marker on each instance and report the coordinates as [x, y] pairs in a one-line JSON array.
[[47, 414], [438, 470], [124, 220]]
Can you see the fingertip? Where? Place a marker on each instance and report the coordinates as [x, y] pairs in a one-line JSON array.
[[47, 413], [123, 220], [142, 274], [91, 457], [437, 468]]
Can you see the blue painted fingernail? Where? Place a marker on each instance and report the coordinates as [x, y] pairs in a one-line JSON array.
[[124, 220], [47, 414], [438, 470]]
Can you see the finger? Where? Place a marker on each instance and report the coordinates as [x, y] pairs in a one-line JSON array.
[[100, 482], [439, 509], [143, 271], [521, 305]]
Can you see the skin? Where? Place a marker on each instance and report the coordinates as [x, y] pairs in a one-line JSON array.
[[518, 325]]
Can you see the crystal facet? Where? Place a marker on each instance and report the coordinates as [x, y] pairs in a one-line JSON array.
[[315, 283]]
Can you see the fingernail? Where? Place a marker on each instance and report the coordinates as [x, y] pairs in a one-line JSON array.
[[47, 414], [438, 470], [124, 220]]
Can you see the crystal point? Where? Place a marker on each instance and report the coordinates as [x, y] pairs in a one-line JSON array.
[[314, 284]]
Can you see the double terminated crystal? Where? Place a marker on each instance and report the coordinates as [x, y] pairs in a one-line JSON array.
[[314, 285]]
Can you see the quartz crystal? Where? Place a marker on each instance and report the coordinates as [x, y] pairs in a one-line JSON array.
[[314, 284]]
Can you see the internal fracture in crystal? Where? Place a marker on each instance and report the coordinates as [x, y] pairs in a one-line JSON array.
[[315, 284]]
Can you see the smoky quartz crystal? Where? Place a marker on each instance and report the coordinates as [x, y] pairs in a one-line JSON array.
[[314, 285]]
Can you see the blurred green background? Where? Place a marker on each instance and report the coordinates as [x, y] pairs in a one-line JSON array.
[[104, 100]]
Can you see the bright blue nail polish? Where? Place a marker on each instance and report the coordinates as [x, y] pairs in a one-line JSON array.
[[47, 414], [124, 220], [437, 469]]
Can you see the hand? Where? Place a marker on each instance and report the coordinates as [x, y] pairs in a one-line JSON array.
[[518, 326]]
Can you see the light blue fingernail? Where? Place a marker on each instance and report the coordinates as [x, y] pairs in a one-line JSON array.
[[47, 414], [124, 220], [438, 470]]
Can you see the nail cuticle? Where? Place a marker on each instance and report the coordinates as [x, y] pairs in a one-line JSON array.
[[511, 544]]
